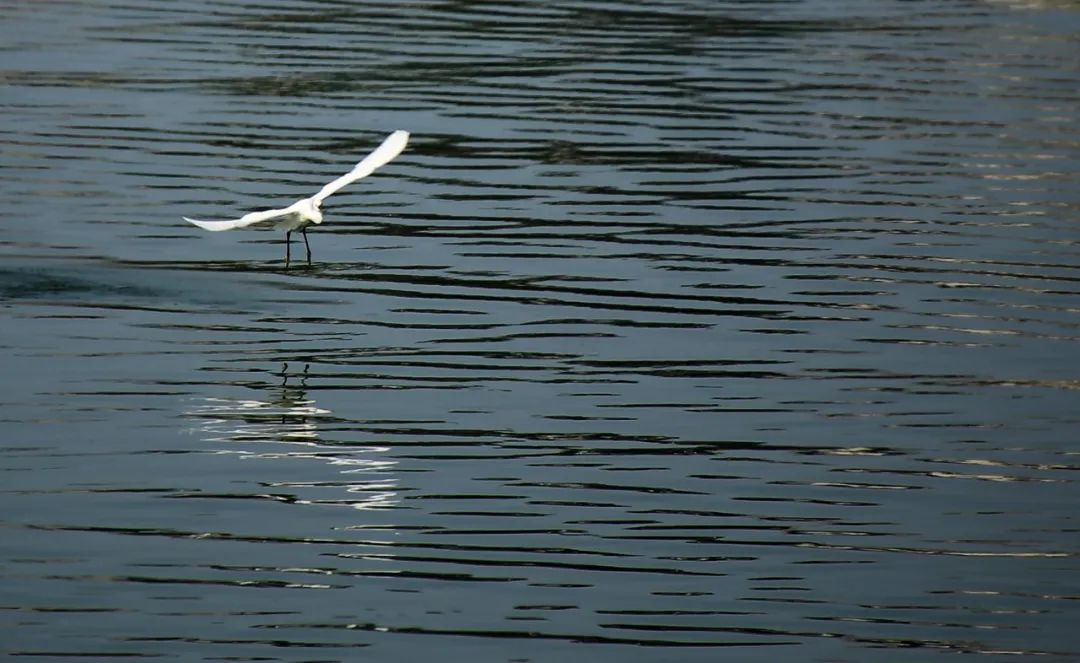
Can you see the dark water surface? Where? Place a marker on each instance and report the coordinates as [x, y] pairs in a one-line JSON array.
[[683, 331]]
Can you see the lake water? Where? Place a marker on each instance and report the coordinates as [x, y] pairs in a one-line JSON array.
[[689, 330]]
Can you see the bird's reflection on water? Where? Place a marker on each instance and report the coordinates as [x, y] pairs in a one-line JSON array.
[[289, 418]]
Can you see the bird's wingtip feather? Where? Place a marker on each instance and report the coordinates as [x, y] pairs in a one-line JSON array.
[[210, 225]]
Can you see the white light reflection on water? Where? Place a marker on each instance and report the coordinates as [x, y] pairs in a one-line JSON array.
[[292, 419]]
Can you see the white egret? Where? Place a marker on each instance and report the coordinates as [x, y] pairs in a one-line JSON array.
[[305, 211]]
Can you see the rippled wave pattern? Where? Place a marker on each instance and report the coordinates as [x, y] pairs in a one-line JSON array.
[[683, 331]]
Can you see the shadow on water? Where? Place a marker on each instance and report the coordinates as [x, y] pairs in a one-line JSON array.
[[34, 283], [96, 283]]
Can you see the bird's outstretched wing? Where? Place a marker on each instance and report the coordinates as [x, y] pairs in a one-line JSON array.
[[248, 219], [390, 148]]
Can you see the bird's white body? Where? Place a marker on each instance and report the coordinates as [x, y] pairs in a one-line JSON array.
[[306, 211]]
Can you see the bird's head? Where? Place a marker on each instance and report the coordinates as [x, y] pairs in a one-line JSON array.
[[310, 209]]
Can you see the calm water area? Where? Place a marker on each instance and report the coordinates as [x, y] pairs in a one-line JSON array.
[[682, 331]]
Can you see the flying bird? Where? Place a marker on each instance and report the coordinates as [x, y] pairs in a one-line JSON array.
[[305, 211]]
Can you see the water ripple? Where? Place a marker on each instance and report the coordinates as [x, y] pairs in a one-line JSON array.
[[685, 329]]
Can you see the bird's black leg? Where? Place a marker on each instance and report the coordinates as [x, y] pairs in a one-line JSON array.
[[304, 233], [288, 234]]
